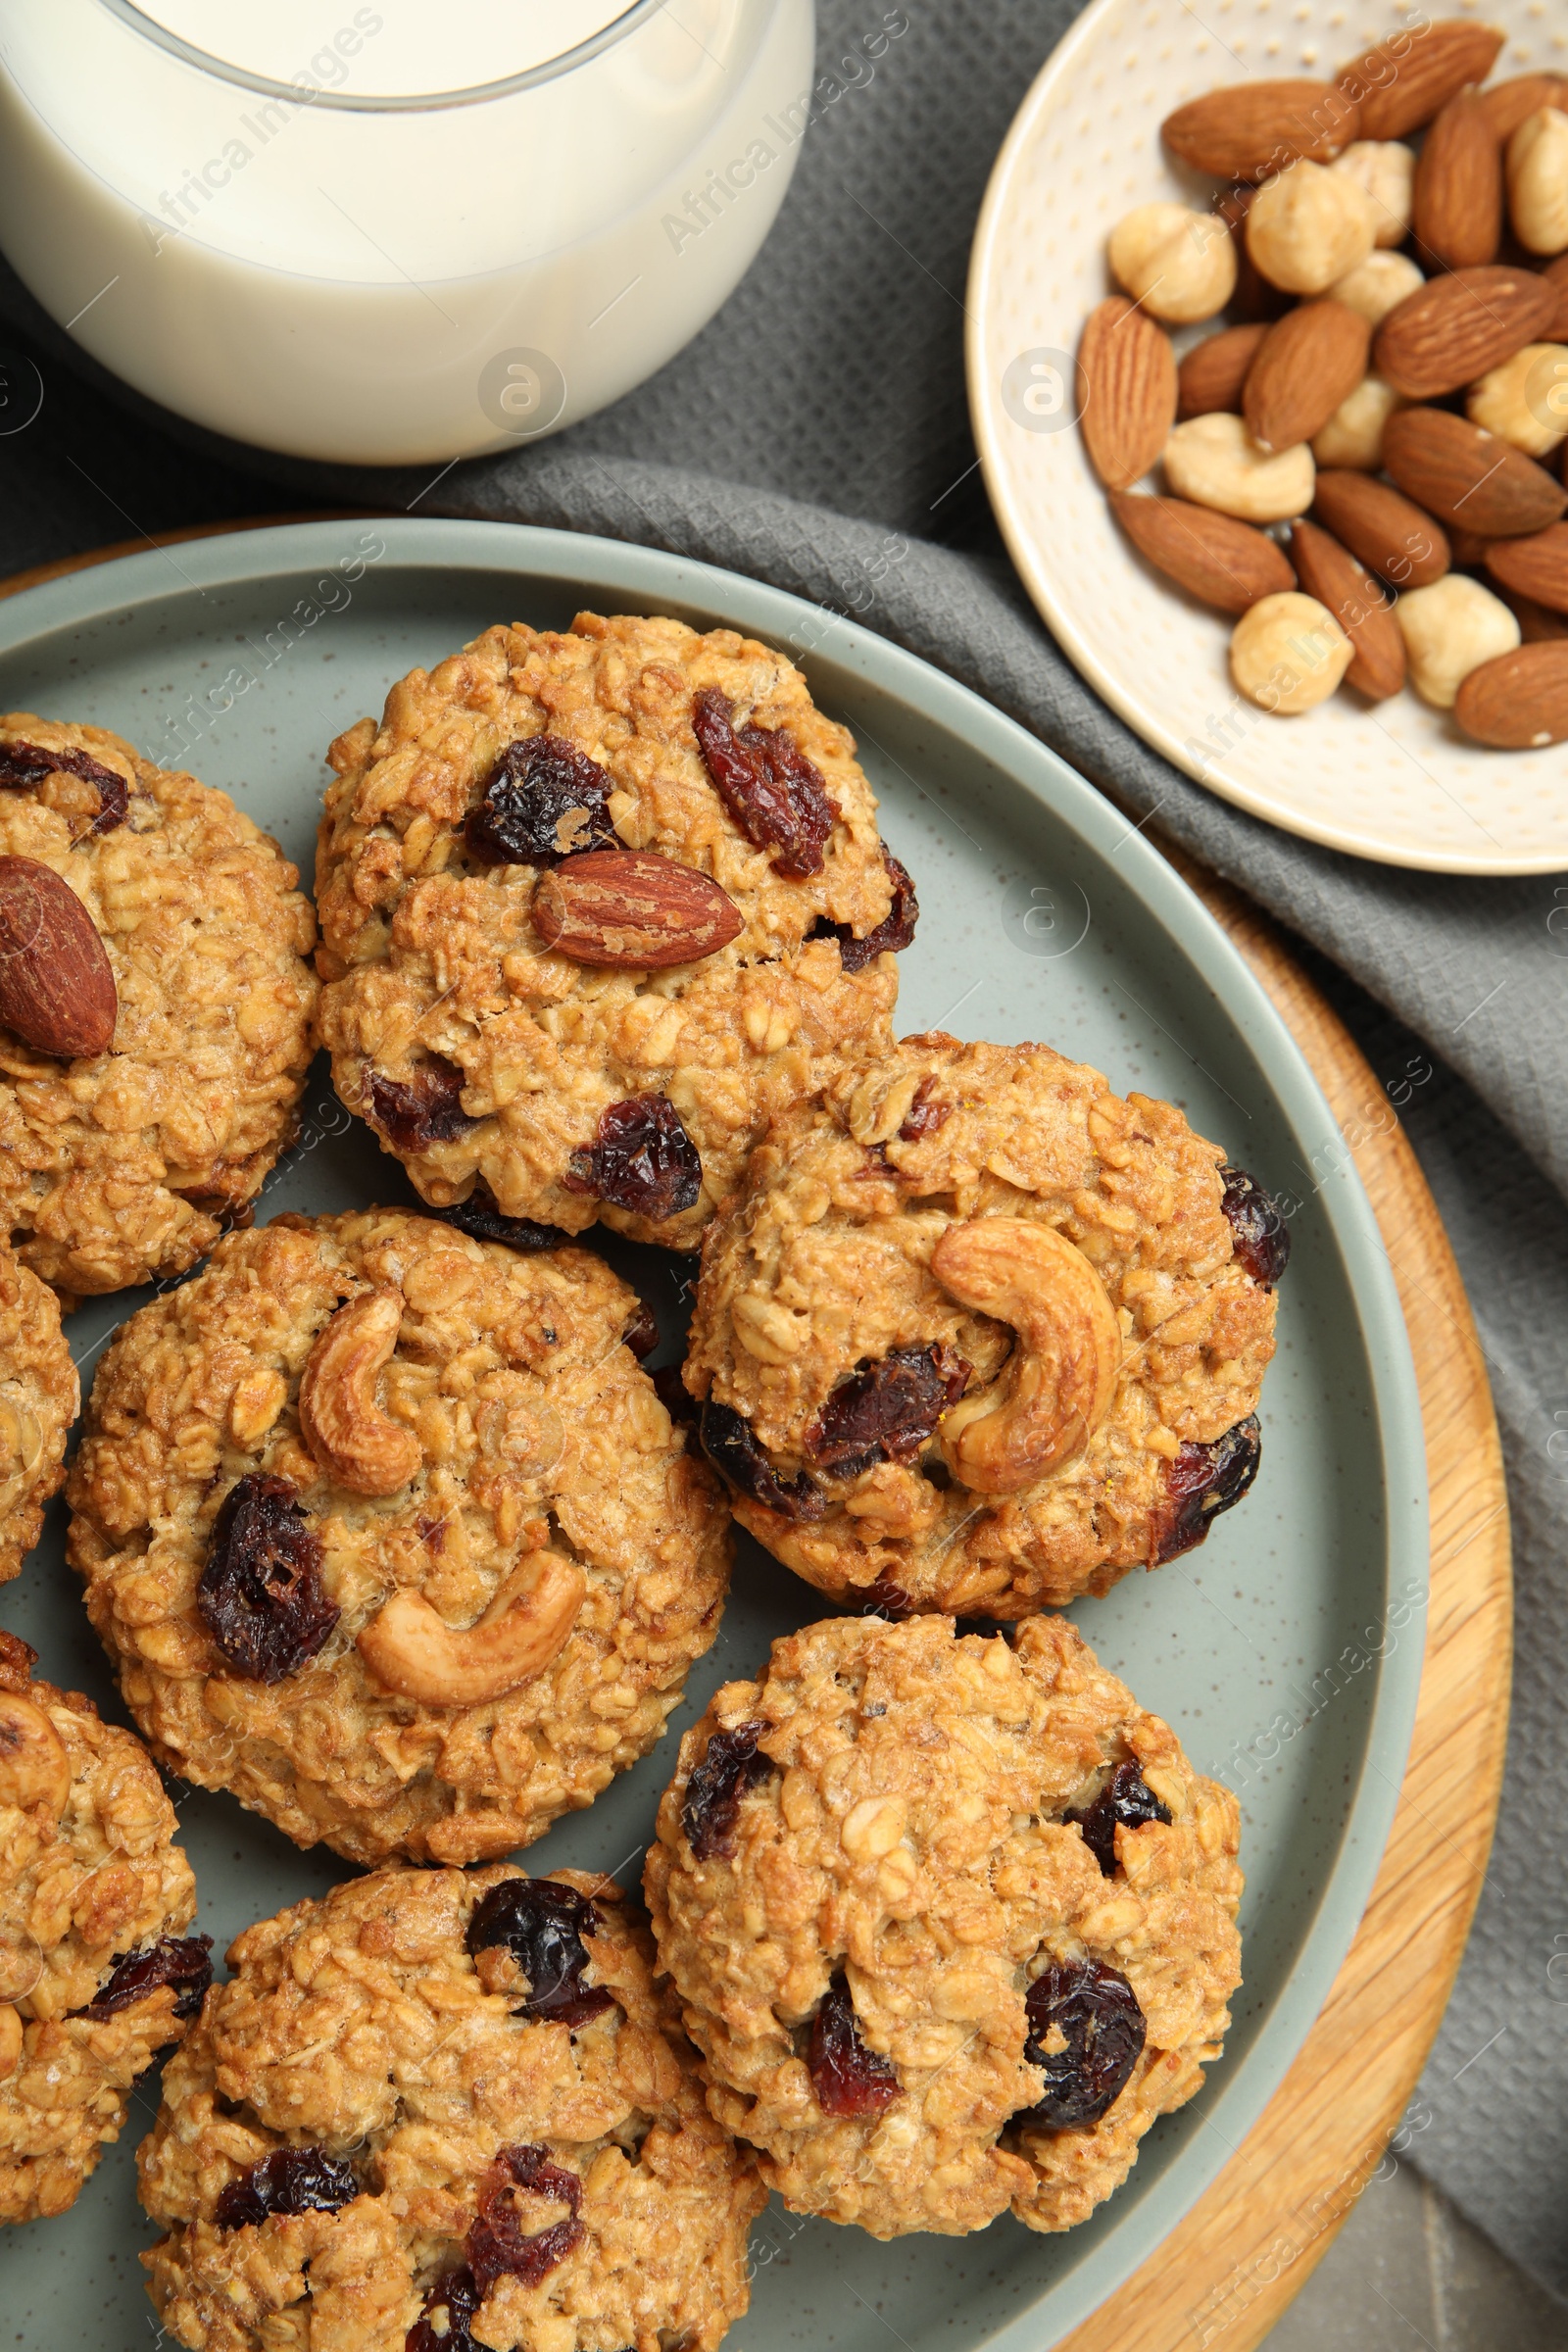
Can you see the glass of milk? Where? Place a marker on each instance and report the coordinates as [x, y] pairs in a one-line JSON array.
[[400, 233]]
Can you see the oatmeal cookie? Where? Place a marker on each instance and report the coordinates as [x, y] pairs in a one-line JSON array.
[[952, 1921], [388, 1533], [977, 1335], [95, 1977], [41, 1397], [450, 2110], [594, 906], [118, 1166]]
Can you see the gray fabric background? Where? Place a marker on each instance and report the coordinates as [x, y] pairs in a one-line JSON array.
[[816, 436]]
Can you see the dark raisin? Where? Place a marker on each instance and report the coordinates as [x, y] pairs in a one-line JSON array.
[[847, 2078], [497, 2245], [924, 1115], [1126, 1798], [641, 1334], [892, 932], [769, 787], [1098, 2011], [673, 1394], [886, 1410], [884, 1599], [422, 1110], [479, 1218], [454, 2300], [543, 799], [730, 1447], [1202, 1481], [24, 763], [261, 1595], [641, 1158], [542, 1924], [179, 1961], [290, 2180], [733, 1764], [1260, 1238]]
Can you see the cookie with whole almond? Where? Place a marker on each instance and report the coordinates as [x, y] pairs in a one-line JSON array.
[[154, 1008], [594, 906]]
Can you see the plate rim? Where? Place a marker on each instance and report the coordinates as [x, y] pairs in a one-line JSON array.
[[1231, 2102]]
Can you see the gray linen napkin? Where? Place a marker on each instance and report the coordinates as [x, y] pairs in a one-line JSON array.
[[816, 436]]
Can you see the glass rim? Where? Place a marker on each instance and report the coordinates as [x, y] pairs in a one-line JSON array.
[[354, 102]]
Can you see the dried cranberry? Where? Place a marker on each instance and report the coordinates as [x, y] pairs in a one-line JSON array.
[[24, 763], [673, 1394], [455, 2301], [642, 1158], [496, 2245], [1098, 2011], [769, 787], [847, 2078], [1126, 1798], [479, 1218], [924, 1117], [886, 1410], [1201, 1482], [178, 1961], [1260, 1239], [884, 1599], [423, 1110], [260, 1594], [733, 1764], [542, 1924], [730, 1447], [543, 799], [641, 1334], [290, 2180], [892, 932]]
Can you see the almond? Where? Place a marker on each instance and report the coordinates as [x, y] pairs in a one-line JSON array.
[[1467, 476], [1209, 379], [1454, 329], [1517, 702], [1537, 627], [1257, 127], [1456, 203], [630, 912], [1129, 380], [1555, 275], [57, 990], [1305, 366], [1363, 610], [1536, 566], [1391, 537], [1407, 79], [1510, 103], [1223, 561]]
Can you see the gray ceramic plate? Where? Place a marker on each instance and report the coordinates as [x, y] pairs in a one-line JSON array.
[[1287, 1651]]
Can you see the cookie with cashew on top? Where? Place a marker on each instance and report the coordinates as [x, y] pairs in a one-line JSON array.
[[387, 1532], [952, 1921], [447, 2111], [154, 1008], [978, 1335], [41, 1397], [95, 1974], [594, 906]]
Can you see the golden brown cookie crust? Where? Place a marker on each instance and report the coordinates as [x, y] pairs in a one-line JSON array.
[[420, 2076], [41, 1397], [910, 1834], [823, 1262], [427, 953], [82, 1885], [532, 1436], [121, 1167]]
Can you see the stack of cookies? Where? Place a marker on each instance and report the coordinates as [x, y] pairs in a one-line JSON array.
[[388, 1531]]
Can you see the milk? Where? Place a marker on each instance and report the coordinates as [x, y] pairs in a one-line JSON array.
[[400, 233]]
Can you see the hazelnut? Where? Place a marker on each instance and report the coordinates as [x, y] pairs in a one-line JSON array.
[[1537, 180], [1525, 400], [1449, 629], [1215, 463], [1378, 285], [1288, 653], [1354, 434], [1179, 265], [1384, 171], [1310, 228]]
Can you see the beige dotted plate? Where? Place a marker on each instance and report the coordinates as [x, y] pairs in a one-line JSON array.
[[1395, 781]]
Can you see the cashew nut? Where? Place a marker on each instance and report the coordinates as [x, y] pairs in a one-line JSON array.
[[1056, 1386], [352, 1440], [1215, 463], [411, 1651], [9, 2039], [1179, 265], [1384, 171], [1537, 180], [34, 1768]]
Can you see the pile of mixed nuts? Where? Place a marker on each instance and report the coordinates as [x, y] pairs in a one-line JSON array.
[[1392, 383]]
